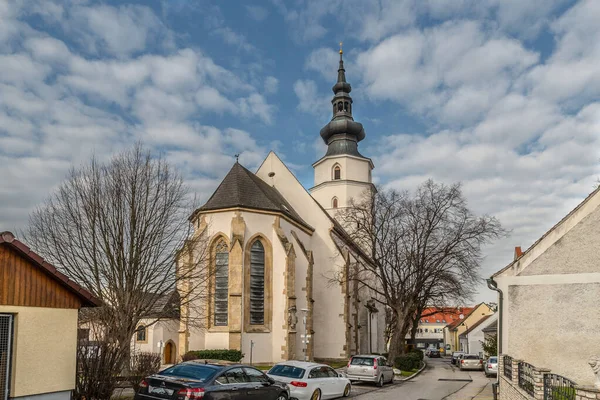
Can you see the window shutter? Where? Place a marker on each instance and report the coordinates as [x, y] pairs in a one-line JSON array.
[[257, 284]]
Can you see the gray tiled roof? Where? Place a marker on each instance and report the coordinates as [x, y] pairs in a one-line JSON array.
[[241, 188]]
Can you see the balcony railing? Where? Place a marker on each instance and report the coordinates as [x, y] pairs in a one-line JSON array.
[[526, 381], [557, 387], [507, 361]]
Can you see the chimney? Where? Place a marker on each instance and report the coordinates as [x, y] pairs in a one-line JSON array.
[[518, 252]]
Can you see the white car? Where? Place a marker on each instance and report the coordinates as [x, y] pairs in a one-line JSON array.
[[310, 381]]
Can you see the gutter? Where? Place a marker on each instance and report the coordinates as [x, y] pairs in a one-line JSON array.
[[493, 285]]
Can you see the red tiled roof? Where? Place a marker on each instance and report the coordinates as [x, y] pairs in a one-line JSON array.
[[448, 315], [86, 297]]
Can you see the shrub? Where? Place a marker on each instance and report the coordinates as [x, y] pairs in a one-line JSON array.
[[221, 354], [407, 362], [419, 354], [142, 365]]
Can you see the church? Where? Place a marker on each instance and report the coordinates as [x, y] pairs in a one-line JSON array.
[[273, 248]]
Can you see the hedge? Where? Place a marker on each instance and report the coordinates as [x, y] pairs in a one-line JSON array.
[[220, 354], [409, 361]]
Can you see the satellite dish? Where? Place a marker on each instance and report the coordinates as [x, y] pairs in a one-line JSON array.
[[461, 316]]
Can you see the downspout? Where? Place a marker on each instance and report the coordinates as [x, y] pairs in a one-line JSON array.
[[493, 285]]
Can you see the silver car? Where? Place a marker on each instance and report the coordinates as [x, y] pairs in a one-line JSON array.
[[490, 367], [470, 361], [370, 369]]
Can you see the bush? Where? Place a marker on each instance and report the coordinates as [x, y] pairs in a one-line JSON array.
[[142, 365], [419, 354], [224, 354], [407, 362]]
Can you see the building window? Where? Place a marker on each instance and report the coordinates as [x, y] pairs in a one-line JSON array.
[[221, 283], [337, 173], [334, 202], [257, 284], [140, 335]]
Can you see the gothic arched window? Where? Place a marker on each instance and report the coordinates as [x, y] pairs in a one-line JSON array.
[[257, 283], [334, 202], [345, 106], [340, 106], [221, 283], [337, 173]]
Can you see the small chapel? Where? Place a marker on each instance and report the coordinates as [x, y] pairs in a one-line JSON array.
[[273, 247]]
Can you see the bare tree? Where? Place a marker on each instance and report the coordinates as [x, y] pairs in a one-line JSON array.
[[426, 248], [117, 228]]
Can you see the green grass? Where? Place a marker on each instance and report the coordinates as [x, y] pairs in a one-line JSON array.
[[263, 367], [409, 373], [338, 364]]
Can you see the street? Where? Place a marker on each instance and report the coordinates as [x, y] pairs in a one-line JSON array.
[[439, 380]]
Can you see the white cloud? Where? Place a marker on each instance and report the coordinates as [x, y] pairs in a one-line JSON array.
[[309, 100], [271, 85], [325, 61], [256, 105]]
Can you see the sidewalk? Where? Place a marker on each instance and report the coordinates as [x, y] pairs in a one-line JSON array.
[[479, 389]]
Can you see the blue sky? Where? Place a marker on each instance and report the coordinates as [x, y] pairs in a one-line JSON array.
[[501, 95]]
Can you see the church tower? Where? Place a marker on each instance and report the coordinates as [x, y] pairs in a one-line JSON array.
[[343, 173]]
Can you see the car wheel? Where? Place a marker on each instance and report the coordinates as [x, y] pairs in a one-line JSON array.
[[316, 395], [282, 396], [380, 381], [347, 390]]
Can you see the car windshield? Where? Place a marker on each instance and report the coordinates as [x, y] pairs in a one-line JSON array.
[[190, 371], [362, 361], [470, 357], [493, 360], [287, 371]]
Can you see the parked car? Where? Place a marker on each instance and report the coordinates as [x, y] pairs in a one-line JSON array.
[[455, 356], [310, 381], [434, 353], [470, 361], [205, 380], [370, 368], [490, 367]]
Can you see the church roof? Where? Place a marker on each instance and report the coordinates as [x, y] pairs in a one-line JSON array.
[[242, 188]]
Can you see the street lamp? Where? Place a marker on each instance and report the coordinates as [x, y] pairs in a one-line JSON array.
[[305, 336]]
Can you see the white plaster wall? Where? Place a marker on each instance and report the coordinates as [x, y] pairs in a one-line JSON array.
[[329, 337], [343, 190], [555, 326], [352, 168], [575, 252], [162, 330], [215, 340]]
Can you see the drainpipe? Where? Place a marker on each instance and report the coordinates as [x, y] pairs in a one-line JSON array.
[[493, 285]]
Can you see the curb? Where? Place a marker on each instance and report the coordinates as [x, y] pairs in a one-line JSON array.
[[413, 375]]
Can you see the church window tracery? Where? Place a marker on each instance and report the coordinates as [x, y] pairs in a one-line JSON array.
[[221, 283], [257, 283], [337, 173]]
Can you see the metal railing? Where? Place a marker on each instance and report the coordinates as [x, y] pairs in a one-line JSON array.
[[526, 381], [557, 387], [507, 362]]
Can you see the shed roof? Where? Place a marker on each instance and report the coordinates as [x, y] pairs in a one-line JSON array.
[[87, 299]]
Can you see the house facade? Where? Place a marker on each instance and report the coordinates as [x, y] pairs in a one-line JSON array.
[[455, 329], [430, 329], [279, 261], [549, 314], [473, 338], [38, 325]]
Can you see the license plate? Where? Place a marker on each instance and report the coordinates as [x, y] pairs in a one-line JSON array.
[[160, 390]]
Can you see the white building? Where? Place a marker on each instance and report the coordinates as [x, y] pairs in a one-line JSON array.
[[472, 339], [276, 248], [549, 297]]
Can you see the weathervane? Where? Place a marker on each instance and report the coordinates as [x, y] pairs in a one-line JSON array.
[[341, 51], [237, 158]]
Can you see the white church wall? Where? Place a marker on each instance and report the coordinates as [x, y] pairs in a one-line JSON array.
[[352, 168]]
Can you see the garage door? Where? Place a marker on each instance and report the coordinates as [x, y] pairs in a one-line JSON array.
[[5, 354]]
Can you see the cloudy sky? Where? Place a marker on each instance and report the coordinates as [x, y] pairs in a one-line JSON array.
[[501, 95]]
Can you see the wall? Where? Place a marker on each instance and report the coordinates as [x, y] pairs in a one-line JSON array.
[[353, 168], [162, 330], [44, 350]]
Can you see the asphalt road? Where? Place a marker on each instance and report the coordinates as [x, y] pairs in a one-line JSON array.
[[426, 386]]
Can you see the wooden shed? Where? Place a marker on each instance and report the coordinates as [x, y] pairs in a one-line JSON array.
[[38, 325]]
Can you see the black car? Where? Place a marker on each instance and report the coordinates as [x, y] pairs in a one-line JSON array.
[[434, 353], [193, 380]]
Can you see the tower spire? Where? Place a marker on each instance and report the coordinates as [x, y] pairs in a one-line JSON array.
[[342, 133]]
